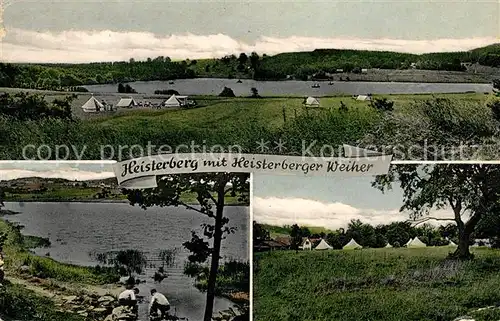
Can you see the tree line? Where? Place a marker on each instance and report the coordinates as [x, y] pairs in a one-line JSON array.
[[298, 65], [397, 234]]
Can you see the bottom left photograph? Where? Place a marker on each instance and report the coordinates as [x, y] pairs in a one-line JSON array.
[[75, 246]]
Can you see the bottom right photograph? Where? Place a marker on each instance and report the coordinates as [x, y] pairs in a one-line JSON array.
[[420, 243]]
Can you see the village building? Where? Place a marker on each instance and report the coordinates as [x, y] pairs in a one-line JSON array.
[[306, 244]]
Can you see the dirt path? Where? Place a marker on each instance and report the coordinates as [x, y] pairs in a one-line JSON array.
[[40, 290], [57, 291]]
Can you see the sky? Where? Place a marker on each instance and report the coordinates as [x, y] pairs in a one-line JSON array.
[[327, 202], [90, 30], [72, 171]]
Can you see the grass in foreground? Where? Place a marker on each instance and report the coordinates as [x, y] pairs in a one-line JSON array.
[[23, 304], [375, 284]]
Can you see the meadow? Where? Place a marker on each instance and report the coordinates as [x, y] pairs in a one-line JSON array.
[[216, 121], [376, 284]]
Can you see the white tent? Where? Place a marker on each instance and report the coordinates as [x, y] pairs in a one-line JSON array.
[[388, 245], [323, 246], [312, 102], [176, 101], [416, 243], [407, 243], [352, 245], [92, 105], [306, 245], [126, 102], [363, 97]]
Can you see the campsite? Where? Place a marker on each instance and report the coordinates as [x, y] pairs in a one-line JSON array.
[[346, 98], [325, 247], [242, 121]]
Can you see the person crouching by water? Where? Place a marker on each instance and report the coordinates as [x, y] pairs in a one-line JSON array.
[[128, 298], [158, 303], [2, 263]]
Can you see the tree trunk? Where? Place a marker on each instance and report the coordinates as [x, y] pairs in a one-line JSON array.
[[214, 267], [462, 252]]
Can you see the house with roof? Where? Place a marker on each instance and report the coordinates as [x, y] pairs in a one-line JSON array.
[[270, 245], [306, 244], [285, 240]]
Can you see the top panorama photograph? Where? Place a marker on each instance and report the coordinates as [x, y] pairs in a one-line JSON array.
[[122, 79]]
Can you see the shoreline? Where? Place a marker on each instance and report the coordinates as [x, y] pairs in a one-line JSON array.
[[358, 78], [111, 201], [429, 77]]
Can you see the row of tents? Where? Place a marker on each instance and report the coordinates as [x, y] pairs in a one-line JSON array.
[[314, 102], [353, 245], [93, 105]]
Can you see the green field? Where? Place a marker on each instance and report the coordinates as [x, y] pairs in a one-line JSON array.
[[375, 284], [218, 121]]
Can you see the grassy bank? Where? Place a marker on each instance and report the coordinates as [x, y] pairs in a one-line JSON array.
[[17, 256], [19, 303], [44, 278], [375, 284]]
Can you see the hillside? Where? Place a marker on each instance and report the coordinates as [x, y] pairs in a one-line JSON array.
[[36, 189], [389, 285], [298, 65]]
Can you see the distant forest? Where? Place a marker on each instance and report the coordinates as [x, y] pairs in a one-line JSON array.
[[296, 65]]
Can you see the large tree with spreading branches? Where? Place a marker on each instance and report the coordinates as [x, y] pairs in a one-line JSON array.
[[471, 192], [210, 190]]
